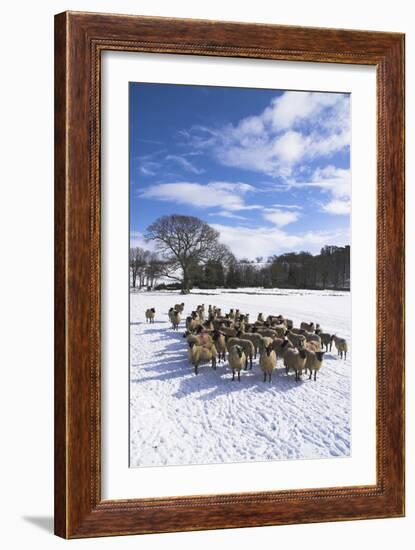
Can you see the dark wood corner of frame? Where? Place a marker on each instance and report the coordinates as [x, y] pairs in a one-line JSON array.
[[79, 39]]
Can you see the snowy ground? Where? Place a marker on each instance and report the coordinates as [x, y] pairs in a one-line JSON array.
[[179, 418]]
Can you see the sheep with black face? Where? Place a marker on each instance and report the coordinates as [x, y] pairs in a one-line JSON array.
[[150, 314], [314, 361], [202, 354], [268, 362], [237, 360]]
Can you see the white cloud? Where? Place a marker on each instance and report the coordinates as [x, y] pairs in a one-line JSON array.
[[337, 183], [290, 147], [249, 243], [137, 239], [337, 207], [148, 168], [335, 180], [185, 164], [149, 165], [292, 107], [290, 206], [226, 214], [228, 196], [296, 127], [280, 217]]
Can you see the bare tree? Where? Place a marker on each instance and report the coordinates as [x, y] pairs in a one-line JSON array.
[[155, 269], [135, 264], [185, 242], [139, 259]]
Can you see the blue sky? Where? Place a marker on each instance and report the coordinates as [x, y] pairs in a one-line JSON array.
[[269, 169]]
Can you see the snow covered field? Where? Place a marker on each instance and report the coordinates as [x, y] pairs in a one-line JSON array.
[[179, 418]]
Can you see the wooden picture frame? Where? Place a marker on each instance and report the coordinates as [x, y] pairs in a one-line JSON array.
[[79, 40]]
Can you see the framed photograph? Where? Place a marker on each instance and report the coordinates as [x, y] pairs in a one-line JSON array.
[[229, 275]]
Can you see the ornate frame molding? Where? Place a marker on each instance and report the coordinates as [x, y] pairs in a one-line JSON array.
[[79, 40]]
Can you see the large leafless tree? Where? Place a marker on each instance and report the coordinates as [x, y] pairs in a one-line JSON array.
[[185, 242]]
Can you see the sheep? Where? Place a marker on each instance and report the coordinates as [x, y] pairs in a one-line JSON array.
[[268, 362], [201, 315], [279, 345], [312, 346], [280, 330], [296, 339], [171, 313], [220, 344], [264, 343], [289, 323], [202, 354], [341, 345], [237, 360], [201, 339], [247, 327], [240, 325], [150, 314], [267, 332], [202, 328], [175, 319], [192, 324], [246, 345], [295, 359], [326, 340], [179, 307], [313, 362], [227, 331], [218, 322], [298, 330], [253, 337], [274, 319], [280, 320], [208, 325], [200, 311], [318, 329], [312, 337], [307, 326], [260, 318]]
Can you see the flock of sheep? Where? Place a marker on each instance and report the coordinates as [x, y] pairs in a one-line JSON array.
[[211, 335]]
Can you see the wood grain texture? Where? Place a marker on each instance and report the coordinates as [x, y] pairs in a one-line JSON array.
[[79, 40]]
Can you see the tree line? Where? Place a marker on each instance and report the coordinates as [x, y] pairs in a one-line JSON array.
[[188, 254], [146, 268]]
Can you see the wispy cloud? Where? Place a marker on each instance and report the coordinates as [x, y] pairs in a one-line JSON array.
[[154, 163], [147, 169], [227, 214], [289, 206], [149, 165], [226, 195], [184, 163]]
